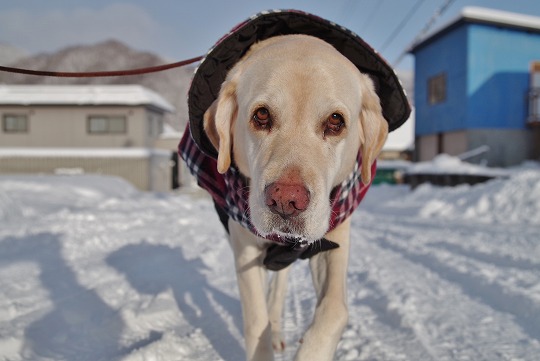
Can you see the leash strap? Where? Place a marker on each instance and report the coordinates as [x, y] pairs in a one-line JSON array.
[[99, 74]]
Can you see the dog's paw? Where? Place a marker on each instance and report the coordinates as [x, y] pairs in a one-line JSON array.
[[277, 342]]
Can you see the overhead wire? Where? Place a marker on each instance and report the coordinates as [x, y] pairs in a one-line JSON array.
[[348, 9], [372, 15], [436, 15], [401, 25]]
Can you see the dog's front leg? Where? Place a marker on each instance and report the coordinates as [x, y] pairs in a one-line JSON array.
[[329, 272], [276, 301], [252, 278]]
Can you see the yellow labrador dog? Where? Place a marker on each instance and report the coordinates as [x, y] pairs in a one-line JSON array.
[[293, 114], [294, 117]]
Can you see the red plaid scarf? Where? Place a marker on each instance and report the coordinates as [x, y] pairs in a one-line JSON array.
[[230, 192]]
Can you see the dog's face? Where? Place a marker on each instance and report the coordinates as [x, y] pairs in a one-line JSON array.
[[292, 114]]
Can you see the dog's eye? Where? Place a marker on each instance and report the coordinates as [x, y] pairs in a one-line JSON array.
[[334, 124], [262, 119]]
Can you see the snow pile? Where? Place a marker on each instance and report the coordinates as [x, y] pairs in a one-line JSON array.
[[513, 201], [446, 164], [512, 197], [47, 194], [94, 270]]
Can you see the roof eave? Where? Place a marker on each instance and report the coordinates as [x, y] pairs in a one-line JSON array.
[[474, 15]]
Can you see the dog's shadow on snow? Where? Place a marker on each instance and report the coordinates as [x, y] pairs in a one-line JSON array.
[[152, 269], [77, 324]]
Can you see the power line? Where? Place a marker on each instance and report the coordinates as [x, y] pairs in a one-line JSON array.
[[372, 15], [438, 13], [401, 25], [349, 7]]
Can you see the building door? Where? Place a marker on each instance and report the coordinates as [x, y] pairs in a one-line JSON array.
[[440, 143]]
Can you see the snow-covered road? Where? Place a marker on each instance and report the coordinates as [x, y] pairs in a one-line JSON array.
[[91, 269]]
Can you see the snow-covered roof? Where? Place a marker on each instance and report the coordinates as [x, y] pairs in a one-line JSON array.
[[501, 17], [130, 95], [487, 16]]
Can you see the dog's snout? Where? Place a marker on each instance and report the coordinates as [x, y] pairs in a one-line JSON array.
[[287, 200]]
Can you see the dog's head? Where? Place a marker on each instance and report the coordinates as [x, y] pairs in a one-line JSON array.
[[293, 114]]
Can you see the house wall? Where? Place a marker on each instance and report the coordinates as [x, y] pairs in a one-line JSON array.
[[499, 61], [446, 55], [136, 171], [151, 172], [508, 147], [453, 143], [426, 147], [66, 126]]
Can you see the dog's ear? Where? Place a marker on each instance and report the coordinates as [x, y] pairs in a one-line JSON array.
[[373, 128], [218, 122], [210, 124]]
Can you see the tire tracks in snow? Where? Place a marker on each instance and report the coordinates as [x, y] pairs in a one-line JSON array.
[[384, 320], [465, 267], [298, 309], [525, 312]]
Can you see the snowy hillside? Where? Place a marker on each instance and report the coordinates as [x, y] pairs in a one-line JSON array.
[[110, 55], [91, 269], [10, 54]]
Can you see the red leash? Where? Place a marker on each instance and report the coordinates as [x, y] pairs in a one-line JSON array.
[[139, 71]]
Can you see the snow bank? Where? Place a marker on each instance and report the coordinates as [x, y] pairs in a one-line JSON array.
[[512, 197], [45, 194], [446, 164], [515, 200]]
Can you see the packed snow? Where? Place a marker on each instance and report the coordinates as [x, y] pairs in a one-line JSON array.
[[446, 164], [92, 269]]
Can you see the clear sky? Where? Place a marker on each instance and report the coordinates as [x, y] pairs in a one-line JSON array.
[[183, 29]]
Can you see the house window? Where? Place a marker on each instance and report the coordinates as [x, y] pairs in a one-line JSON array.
[[103, 124], [15, 123], [155, 124], [437, 89]]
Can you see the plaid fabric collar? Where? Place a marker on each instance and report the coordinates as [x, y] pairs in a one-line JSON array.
[[231, 193]]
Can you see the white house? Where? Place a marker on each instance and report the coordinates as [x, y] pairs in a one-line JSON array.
[[107, 129]]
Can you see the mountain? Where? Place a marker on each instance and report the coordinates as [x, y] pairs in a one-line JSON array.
[[110, 55]]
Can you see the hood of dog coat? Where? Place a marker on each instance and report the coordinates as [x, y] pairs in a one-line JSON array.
[[213, 69]]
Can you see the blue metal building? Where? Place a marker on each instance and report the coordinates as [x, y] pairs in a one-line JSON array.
[[477, 85]]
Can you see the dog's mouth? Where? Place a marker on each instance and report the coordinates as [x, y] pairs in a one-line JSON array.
[[288, 229], [300, 229], [288, 239]]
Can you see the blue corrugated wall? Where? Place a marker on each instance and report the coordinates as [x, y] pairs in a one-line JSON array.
[[446, 55], [498, 76], [487, 71]]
